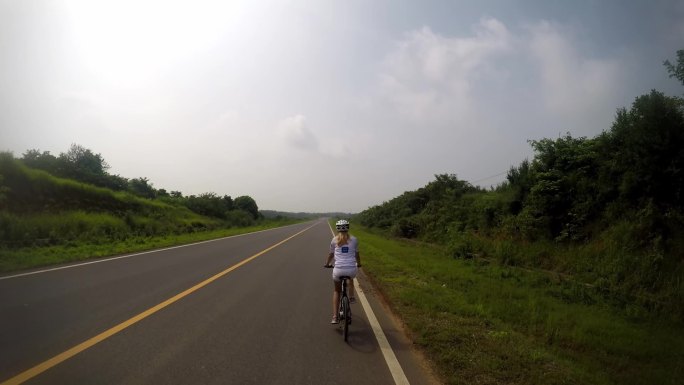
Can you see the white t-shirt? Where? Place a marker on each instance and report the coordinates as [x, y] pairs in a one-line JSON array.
[[345, 255]]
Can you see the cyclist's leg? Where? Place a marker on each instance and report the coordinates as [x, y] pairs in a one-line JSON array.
[[350, 287], [336, 298]]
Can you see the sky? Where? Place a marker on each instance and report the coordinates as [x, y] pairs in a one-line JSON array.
[[323, 106]]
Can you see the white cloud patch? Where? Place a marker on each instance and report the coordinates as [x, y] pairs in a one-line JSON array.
[[296, 133], [535, 76], [572, 84], [430, 77], [483, 95]]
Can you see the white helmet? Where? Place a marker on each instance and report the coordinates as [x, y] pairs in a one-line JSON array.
[[342, 225]]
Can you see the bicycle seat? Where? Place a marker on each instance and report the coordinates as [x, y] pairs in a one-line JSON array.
[[345, 277]]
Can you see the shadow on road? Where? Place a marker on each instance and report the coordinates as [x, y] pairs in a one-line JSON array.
[[360, 338]]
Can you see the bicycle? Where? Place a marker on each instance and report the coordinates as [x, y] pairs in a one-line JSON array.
[[344, 314]]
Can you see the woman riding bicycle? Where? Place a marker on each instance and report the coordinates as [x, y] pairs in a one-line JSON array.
[[344, 249]]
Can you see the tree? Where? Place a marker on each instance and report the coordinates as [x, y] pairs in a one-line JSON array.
[[563, 195], [676, 71], [246, 203], [78, 163], [141, 187], [448, 185], [3, 192], [210, 204], [228, 204], [84, 162], [240, 218], [520, 179], [41, 160], [648, 143], [114, 182]]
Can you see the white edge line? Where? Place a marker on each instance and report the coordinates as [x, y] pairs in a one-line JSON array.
[[134, 255], [387, 352]]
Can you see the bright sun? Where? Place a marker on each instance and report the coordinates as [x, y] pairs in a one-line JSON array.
[[128, 42]]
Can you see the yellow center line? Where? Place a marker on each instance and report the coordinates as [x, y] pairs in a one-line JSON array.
[[56, 360]]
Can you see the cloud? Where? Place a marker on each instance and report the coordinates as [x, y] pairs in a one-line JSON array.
[[453, 80], [541, 73], [430, 77], [572, 84], [296, 133], [457, 100]]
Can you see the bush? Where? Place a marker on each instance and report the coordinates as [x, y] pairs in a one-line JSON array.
[[239, 218], [461, 246], [405, 228]]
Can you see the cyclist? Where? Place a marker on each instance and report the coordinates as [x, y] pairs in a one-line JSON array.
[[344, 249]]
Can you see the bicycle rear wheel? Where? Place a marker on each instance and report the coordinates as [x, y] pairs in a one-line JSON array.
[[346, 310]]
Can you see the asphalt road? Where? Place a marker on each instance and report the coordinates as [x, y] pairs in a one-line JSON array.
[[230, 311]]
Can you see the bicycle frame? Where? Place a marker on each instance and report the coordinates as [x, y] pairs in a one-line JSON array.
[[344, 310]]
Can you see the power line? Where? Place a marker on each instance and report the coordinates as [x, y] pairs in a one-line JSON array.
[[490, 177]]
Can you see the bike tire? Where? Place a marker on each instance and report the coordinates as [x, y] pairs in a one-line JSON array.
[[346, 310]]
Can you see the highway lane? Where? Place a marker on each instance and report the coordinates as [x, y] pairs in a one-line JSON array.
[[266, 322]]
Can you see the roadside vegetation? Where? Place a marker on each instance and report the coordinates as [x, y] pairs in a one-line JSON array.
[[63, 208], [570, 271], [482, 322], [18, 258]]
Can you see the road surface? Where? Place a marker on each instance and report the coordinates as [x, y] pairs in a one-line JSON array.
[[251, 309]]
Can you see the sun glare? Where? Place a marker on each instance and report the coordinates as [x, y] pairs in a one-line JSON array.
[[128, 43]]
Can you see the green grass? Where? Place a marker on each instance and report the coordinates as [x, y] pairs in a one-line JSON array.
[[47, 220], [12, 259], [639, 282], [483, 323]]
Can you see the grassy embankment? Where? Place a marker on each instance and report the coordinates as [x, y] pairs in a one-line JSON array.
[[46, 220], [36, 256], [484, 323]]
